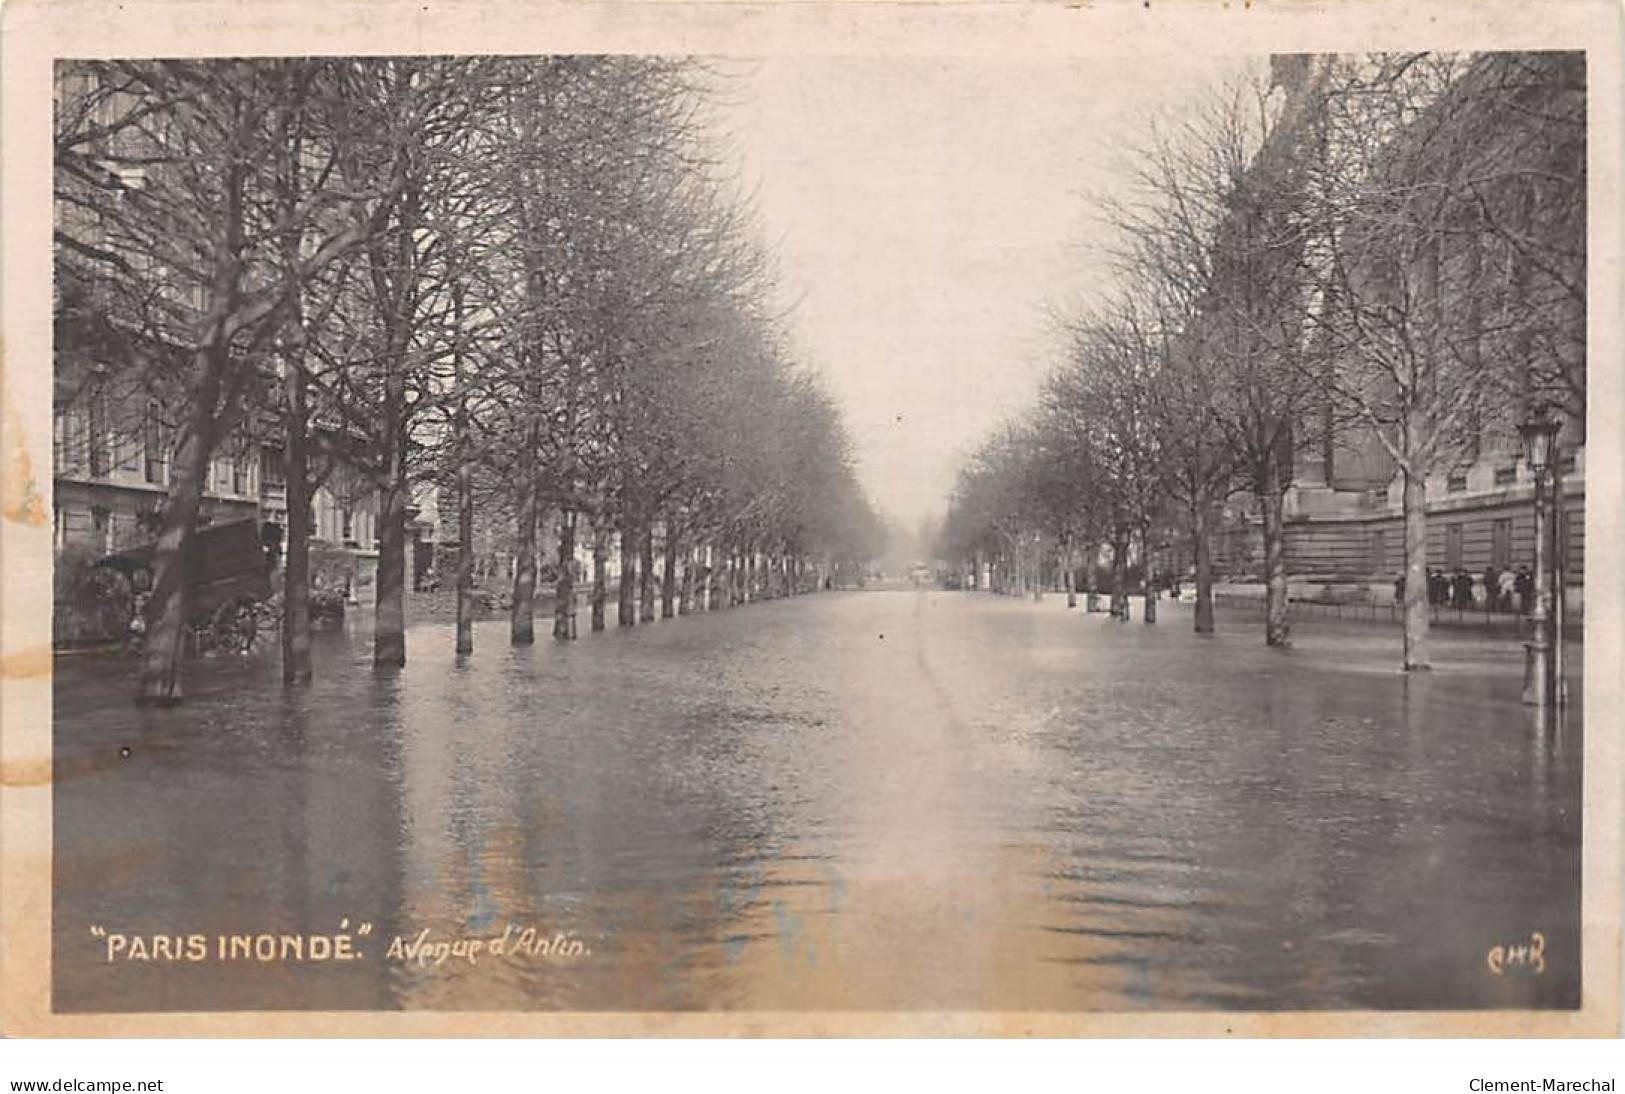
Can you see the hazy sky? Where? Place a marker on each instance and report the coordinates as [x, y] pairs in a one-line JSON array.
[[926, 211]]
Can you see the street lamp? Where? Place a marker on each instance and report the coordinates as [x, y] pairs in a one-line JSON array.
[[1539, 433]]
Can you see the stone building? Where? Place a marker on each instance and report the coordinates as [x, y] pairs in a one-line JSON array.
[[111, 466], [1521, 116]]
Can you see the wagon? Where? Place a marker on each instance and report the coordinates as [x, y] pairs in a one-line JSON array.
[[228, 581]]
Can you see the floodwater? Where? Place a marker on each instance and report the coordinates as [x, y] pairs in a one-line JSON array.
[[879, 801]]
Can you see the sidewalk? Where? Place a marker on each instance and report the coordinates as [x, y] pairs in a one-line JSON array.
[[1342, 645]]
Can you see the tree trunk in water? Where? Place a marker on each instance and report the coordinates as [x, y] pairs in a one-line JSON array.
[[389, 636], [564, 584], [685, 590], [296, 662], [1120, 579], [465, 556], [1202, 551], [1416, 574], [1277, 631], [167, 606], [464, 642], [1149, 569], [668, 575], [1071, 575], [626, 607], [522, 613], [646, 574], [296, 574], [600, 576]]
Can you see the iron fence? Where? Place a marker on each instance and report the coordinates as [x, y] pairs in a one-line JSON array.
[[1492, 619]]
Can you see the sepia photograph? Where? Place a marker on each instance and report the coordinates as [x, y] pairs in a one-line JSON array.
[[817, 540]]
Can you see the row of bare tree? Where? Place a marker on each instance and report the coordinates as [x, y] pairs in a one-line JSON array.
[[525, 282], [1382, 249]]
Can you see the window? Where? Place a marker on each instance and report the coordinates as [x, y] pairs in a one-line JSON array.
[[1456, 483], [97, 441], [1377, 552], [154, 446], [101, 522], [1506, 476], [126, 451], [1567, 463], [1501, 544], [271, 474], [1452, 547], [239, 471], [346, 525], [61, 441]]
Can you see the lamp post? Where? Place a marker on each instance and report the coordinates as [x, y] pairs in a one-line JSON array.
[[1539, 432], [1557, 544]]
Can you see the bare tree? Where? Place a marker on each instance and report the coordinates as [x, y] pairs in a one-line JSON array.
[[166, 172], [1432, 299]]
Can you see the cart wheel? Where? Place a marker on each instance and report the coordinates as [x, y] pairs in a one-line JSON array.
[[233, 626]]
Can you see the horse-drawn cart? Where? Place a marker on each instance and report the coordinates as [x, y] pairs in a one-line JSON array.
[[228, 583]]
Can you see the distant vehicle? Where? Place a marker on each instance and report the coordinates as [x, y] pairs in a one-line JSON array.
[[922, 576], [228, 580]]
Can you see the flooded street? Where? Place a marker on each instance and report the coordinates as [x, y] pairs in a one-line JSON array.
[[879, 801]]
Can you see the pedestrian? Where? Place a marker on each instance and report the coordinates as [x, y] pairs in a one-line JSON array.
[[1463, 583], [1506, 586], [1525, 585], [1399, 589], [1492, 587]]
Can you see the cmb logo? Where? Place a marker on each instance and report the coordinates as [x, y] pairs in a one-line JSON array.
[[1529, 955]]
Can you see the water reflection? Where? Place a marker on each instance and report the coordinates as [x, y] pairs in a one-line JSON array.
[[878, 801]]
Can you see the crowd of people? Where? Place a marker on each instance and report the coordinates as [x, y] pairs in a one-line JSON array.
[[1494, 590]]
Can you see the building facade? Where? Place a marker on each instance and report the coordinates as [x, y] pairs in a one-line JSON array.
[[111, 468], [1492, 283]]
